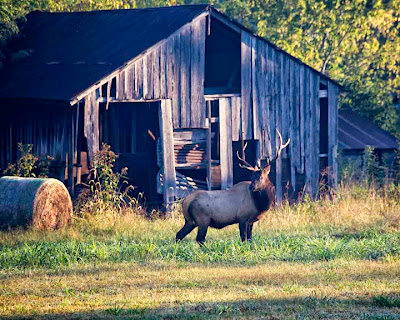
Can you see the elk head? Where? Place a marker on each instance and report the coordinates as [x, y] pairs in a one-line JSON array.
[[260, 177]]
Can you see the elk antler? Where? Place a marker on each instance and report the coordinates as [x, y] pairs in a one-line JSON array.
[[245, 164], [281, 145]]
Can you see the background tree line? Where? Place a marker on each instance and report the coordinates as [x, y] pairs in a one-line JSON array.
[[356, 42]]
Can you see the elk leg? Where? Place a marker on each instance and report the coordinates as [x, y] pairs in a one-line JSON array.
[[243, 230], [250, 231], [201, 234], [186, 229]]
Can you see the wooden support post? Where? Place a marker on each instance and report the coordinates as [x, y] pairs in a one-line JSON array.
[[78, 147], [92, 126], [225, 123], [70, 151], [167, 145], [333, 92], [208, 145]]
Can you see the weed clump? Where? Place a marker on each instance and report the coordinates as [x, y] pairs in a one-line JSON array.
[[30, 166], [106, 191]]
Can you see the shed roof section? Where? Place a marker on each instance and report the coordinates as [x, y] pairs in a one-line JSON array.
[[357, 132], [72, 51]]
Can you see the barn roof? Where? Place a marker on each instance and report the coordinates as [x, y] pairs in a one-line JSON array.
[[72, 51], [357, 132]]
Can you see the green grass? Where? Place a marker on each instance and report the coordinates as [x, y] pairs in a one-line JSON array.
[[328, 259], [67, 252]]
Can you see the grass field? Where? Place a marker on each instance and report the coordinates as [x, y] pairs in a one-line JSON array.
[[335, 259]]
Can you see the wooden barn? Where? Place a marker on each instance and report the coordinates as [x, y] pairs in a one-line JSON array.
[[175, 91]]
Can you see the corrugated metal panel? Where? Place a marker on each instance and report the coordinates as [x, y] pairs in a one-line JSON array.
[[357, 132], [72, 51]]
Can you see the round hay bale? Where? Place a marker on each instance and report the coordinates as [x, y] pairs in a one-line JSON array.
[[40, 203]]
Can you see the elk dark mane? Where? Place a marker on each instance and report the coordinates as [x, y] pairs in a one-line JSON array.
[[264, 198]]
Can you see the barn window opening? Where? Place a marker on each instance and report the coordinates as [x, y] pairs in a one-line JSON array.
[[222, 74]]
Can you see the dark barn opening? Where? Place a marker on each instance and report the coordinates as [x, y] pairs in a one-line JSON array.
[[132, 130], [240, 174], [222, 60], [323, 135]]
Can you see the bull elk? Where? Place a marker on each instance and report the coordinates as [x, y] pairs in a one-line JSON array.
[[244, 203]]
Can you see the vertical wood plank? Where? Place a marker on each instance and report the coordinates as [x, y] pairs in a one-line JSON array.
[[197, 76], [307, 131], [265, 146], [91, 127], [316, 131], [172, 80], [156, 73], [128, 83], [185, 77], [256, 85], [71, 149], [138, 79], [208, 145], [167, 144], [293, 129], [301, 115], [271, 101], [333, 92], [278, 87], [314, 103], [296, 101], [311, 134], [163, 71], [235, 118], [176, 93], [120, 83], [246, 49], [147, 76], [226, 159]]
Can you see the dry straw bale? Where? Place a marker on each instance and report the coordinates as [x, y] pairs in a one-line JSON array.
[[40, 203]]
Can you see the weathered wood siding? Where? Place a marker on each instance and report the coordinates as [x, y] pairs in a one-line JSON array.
[[278, 92], [333, 93], [167, 142], [49, 128], [91, 123], [226, 154], [173, 70]]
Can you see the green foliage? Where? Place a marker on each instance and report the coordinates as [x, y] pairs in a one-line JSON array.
[[25, 164], [371, 168], [28, 165], [105, 186]]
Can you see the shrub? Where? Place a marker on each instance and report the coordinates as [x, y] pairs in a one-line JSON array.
[[106, 189], [28, 165]]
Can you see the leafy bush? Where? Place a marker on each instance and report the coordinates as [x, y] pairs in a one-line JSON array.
[[106, 189], [28, 165]]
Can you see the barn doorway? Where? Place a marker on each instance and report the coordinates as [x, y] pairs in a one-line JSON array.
[[132, 130]]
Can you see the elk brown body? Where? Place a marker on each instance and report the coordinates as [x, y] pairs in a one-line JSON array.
[[244, 204]]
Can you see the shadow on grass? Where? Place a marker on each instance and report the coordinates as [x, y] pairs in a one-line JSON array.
[[296, 308]]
